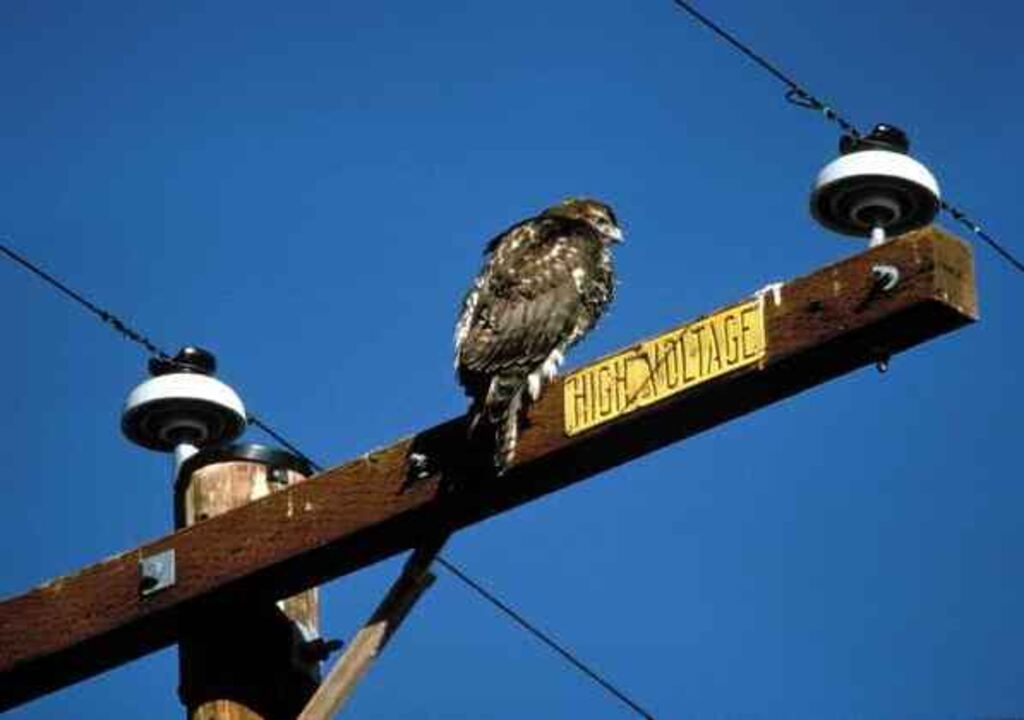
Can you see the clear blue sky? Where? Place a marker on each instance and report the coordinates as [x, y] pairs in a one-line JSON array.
[[306, 189]]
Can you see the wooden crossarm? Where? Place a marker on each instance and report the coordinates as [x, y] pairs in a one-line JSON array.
[[828, 323]]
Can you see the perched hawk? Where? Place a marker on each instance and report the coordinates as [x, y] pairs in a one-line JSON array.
[[544, 284]]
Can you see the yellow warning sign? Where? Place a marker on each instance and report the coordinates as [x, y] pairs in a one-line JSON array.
[[664, 366]]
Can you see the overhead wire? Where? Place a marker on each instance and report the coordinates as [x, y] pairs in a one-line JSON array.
[[961, 217], [544, 638], [105, 316], [128, 332], [262, 425], [798, 95], [513, 614]]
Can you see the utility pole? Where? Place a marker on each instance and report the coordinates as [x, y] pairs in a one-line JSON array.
[[656, 391], [245, 660]]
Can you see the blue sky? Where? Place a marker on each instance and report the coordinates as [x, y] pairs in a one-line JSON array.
[[306, 190]]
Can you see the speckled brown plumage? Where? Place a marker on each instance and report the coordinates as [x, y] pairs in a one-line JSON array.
[[545, 283]]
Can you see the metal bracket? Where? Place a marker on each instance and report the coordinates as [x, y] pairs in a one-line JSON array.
[[886, 276], [277, 476], [774, 289], [157, 572], [318, 649], [419, 466]]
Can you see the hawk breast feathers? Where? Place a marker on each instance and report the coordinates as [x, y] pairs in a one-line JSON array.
[[544, 284]]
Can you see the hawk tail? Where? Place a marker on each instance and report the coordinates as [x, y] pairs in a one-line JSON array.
[[506, 431], [500, 410]]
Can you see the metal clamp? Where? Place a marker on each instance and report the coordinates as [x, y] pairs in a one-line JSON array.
[[419, 466], [318, 649], [157, 572], [774, 289], [886, 276]]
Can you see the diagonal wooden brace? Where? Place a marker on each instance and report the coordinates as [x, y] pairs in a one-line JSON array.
[[371, 639]]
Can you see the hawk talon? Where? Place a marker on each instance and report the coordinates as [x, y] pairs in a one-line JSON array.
[[549, 369], [534, 385]]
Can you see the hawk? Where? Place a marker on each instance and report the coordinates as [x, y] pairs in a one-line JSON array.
[[544, 284]]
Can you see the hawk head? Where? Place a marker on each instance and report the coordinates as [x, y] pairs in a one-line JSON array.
[[593, 212]]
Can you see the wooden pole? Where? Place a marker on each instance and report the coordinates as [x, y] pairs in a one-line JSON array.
[[244, 660], [371, 639], [825, 324]]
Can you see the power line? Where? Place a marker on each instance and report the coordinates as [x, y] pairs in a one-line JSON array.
[[254, 420], [800, 96], [128, 332], [118, 325], [543, 637], [104, 315], [797, 94], [961, 217], [491, 598]]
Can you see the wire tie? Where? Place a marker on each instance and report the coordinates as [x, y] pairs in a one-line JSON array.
[[801, 98]]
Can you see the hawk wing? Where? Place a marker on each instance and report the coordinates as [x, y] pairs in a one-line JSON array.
[[525, 304]]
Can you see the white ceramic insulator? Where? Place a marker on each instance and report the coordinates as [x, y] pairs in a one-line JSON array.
[[185, 386], [877, 162], [182, 407], [861, 188]]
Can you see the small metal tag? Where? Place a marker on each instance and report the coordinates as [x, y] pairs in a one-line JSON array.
[[157, 572]]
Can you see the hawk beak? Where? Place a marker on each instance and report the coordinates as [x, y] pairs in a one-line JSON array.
[[616, 235]]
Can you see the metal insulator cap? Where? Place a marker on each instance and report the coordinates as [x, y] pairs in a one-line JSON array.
[[882, 137], [190, 359]]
